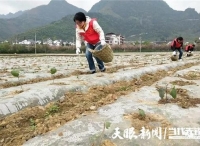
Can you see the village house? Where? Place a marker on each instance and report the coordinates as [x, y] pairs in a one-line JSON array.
[[114, 39], [57, 42], [27, 42], [48, 42]]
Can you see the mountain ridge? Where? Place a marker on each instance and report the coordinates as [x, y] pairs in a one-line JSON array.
[[36, 17], [154, 18], [11, 15]]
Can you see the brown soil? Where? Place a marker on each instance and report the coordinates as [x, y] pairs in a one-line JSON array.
[[183, 100], [3, 71], [25, 124], [149, 122], [116, 68], [192, 75], [182, 83], [108, 143]]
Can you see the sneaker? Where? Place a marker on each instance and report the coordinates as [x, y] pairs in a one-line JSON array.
[[103, 70], [180, 60], [93, 72]]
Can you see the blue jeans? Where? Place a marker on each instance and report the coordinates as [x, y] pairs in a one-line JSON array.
[[89, 57]]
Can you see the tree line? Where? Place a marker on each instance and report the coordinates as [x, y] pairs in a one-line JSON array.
[[7, 48]]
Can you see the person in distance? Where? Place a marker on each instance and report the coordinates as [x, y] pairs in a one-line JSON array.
[[189, 49], [177, 45]]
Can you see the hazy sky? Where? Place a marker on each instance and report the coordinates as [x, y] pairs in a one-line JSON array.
[[13, 6]]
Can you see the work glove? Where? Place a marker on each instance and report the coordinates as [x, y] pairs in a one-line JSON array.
[[78, 50], [103, 42]]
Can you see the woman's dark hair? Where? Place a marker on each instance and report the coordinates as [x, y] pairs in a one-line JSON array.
[[80, 16], [180, 38]]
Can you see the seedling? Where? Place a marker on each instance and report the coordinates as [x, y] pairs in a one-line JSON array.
[[107, 125], [124, 88], [15, 73], [32, 124], [96, 140], [173, 92], [142, 113], [53, 71], [162, 92], [53, 109]]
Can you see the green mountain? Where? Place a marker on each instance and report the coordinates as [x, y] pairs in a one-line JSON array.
[[155, 19], [65, 28], [36, 17]]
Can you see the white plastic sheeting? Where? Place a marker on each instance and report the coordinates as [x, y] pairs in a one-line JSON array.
[[78, 132], [43, 92]]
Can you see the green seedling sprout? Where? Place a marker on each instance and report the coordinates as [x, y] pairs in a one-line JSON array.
[[32, 124], [97, 139], [161, 92], [53, 71], [107, 125], [15, 73], [173, 92], [142, 113], [52, 110]]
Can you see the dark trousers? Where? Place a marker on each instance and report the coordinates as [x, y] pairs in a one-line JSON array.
[[179, 50], [89, 57]]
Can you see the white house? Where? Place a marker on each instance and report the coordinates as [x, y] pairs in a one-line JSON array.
[[48, 42], [114, 39], [27, 42], [57, 42], [38, 42]]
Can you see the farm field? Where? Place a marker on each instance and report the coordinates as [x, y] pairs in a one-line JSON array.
[[73, 107]]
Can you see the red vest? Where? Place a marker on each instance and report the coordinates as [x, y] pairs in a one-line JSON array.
[[176, 44], [90, 35], [188, 47]]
